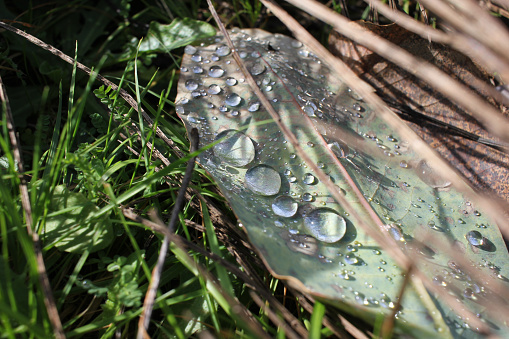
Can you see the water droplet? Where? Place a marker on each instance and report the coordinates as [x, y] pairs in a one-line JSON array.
[[430, 176], [351, 259], [263, 180], [353, 94], [257, 69], [395, 232], [339, 149], [403, 164], [191, 84], [309, 108], [179, 109], [253, 106], [222, 50], [196, 57], [214, 89], [307, 197], [190, 49], [439, 280], [242, 54], [358, 107], [304, 53], [184, 69], [236, 149], [233, 100], [216, 72], [285, 206], [197, 70], [475, 238], [231, 81], [296, 43], [391, 138], [325, 225], [309, 179]]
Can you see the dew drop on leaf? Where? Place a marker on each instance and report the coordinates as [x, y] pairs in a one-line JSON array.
[[430, 176], [307, 197], [191, 84], [233, 100], [263, 180], [222, 50], [216, 72], [189, 49], [231, 81], [236, 149], [285, 206], [325, 225], [197, 70], [196, 58], [253, 106], [475, 238], [214, 89], [257, 69], [309, 179]]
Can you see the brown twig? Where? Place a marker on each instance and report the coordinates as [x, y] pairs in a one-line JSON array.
[[156, 273], [49, 301]]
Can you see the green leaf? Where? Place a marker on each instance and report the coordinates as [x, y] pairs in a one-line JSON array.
[[73, 227], [181, 32], [303, 234]]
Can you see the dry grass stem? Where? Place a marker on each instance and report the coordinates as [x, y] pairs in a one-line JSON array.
[[465, 44], [49, 300], [458, 93]]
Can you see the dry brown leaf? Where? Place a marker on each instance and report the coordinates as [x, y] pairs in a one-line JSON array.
[[485, 166]]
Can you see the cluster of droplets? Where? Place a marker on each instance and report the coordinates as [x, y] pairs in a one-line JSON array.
[[210, 80]]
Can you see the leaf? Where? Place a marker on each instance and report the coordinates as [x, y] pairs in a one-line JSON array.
[[181, 32], [301, 232], [486, 167], [72, 227]]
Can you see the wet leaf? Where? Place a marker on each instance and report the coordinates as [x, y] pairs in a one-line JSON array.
[[181, 32], [72, 226], [485, 166], [301, 232]]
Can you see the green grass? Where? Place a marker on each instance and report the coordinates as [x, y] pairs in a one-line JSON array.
[[81, 155]]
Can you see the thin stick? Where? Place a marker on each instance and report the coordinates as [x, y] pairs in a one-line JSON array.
[[49, 301], [460, 42], [148, 304]]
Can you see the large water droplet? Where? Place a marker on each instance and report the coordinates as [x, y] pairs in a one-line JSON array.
[[475, 238], [296, 43], [233, 100], [236, 149], [325, 225], [263, 180], [430, 176], [190, 49], [197, 70], [196, 57], [216, 72], [222, 50], [285, 206], [231, 81], [309, 108], [309, 179], [253, 106], [214, 89], [257, 69], [192, 84]]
